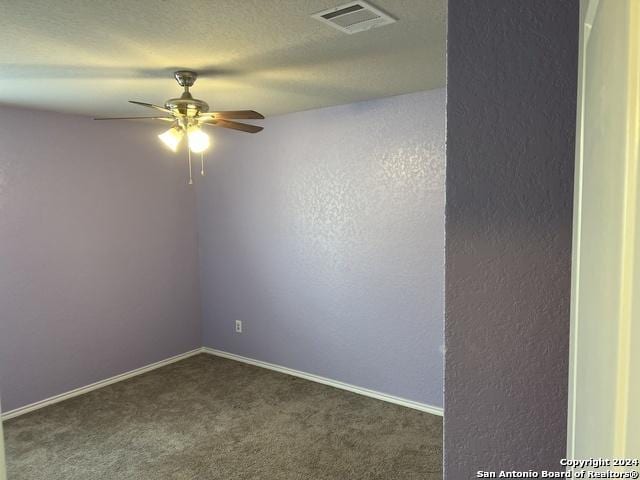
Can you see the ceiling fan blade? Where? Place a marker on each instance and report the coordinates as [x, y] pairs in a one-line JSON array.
[[151, 105], [243, 127], [231, 114], [166, 119]]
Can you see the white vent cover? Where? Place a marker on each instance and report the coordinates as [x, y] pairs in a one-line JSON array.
[[354, 17]]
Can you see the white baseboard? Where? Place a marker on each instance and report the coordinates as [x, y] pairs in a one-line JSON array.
[[423, 407], [94, 386]]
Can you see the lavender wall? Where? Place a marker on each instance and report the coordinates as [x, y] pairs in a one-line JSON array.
[[511, 109], [324, 234], [98, 253]]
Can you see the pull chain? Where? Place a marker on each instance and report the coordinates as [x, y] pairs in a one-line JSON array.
[[190, 177], [202, 163]]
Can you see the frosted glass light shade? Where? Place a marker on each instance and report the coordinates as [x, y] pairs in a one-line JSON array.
[[172, 137], [198, 140]]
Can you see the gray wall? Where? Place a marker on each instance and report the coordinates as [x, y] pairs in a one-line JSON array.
[[98, 253], [325, 235], [511, 107]]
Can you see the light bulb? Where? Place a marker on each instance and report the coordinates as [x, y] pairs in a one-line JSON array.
[[172, 137], [198, 140]]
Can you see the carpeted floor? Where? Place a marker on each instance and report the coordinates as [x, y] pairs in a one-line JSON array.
[[209, 418]]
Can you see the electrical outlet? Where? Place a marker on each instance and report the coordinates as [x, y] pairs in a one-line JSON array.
[[238, 326]]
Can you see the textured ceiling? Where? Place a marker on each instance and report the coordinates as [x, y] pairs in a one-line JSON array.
[[90, 57]]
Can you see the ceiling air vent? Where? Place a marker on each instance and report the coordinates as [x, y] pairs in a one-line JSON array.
[[354, 17]]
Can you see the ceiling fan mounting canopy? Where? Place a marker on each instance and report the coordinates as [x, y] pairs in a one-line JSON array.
[[185, 78]]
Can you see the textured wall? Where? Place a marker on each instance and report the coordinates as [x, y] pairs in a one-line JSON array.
[[325, 235], [511, 107], [98, 261]]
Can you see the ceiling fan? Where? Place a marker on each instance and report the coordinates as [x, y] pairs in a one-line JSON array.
[[188, 115]]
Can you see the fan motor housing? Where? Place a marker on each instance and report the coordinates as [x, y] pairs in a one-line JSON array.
[[186, 103]]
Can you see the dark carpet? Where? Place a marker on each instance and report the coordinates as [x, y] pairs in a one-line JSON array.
[[209, 418]]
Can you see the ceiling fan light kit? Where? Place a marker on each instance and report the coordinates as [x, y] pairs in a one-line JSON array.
[[198, 140], [172, 137], [189, 115]]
